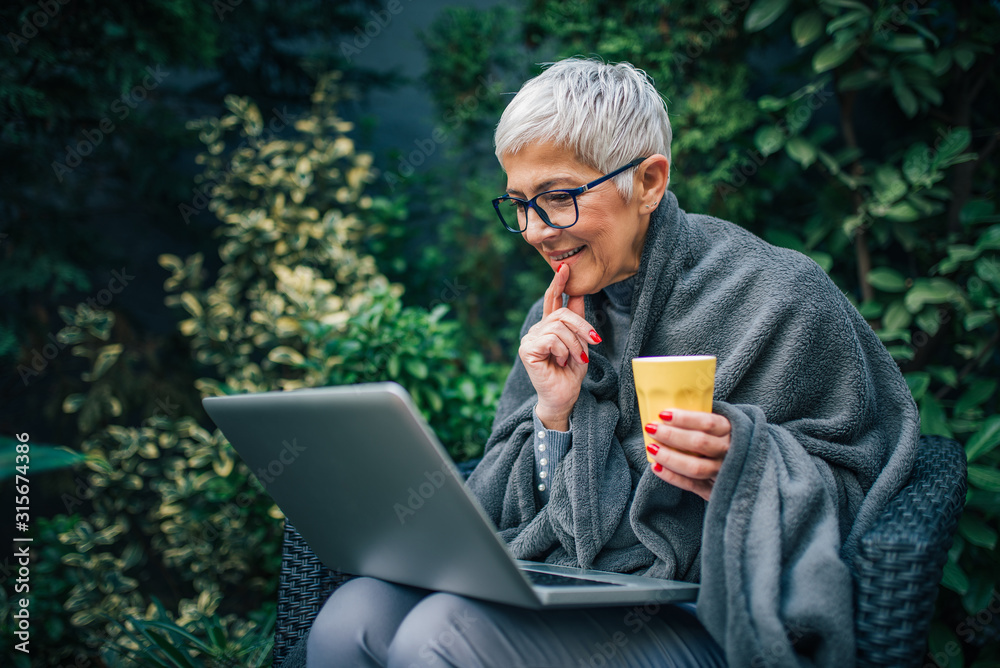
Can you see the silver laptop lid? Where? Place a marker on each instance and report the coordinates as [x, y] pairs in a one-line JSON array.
[[335, 461]]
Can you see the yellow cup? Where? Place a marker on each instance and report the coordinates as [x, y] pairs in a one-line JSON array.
[[682, 381]]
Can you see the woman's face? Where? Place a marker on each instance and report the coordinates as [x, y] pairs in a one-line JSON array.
[[609, 233]]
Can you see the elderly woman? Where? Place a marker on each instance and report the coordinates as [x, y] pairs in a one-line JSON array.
[[762, 501]]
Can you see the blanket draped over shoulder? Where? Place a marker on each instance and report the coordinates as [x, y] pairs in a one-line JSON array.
[[824, 432]]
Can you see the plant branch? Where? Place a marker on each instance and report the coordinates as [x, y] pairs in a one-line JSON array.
[[861, 250]]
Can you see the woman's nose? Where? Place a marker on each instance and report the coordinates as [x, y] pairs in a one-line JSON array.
[[536, 231]]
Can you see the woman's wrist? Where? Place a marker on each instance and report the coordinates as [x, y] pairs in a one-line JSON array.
[[550, 419]]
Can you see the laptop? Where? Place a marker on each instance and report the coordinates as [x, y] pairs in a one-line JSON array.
[[360, 474]]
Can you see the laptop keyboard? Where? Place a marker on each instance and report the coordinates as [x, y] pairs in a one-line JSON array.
[[552, 580]]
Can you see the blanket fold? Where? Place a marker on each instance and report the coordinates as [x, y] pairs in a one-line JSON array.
[[824, 433]]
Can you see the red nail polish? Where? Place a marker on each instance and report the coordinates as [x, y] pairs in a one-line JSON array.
[[583, 356], [653, 448], [666, 416], [651, 428], [560, 267], [595, 337], [657, 467]]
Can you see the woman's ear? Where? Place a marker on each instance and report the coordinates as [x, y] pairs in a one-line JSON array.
[[653, 175]]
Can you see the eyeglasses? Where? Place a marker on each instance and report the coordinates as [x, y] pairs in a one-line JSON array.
[[560, 210]]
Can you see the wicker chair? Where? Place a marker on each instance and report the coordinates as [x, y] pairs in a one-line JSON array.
[[896, 571]]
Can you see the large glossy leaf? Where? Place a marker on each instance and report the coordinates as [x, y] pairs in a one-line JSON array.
[[951, 145], [859, 79], [984, 440], [905, 43], [965, 58], [978, 391], [954, 578], [763, 13], [801, 151], [807, 27], [886, 279], [896, 316], [768, 139], [932, 417], [833, 54], [917, 163], [416, 367], [929, 291], [984, 477], [988, 269], [918, 382], [286, 355], [929, 320], [977, 532], [905, 96], [846, 19], [977, 319], [41, 457]]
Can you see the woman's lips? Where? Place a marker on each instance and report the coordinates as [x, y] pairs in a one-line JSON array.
[[562, 257]]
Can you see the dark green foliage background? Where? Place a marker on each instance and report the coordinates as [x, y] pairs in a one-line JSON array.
[[861, 132]]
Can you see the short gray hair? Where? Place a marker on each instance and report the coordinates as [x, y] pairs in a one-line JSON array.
[[607, 114]]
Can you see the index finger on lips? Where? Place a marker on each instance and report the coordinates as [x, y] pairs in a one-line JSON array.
[[553, 295]]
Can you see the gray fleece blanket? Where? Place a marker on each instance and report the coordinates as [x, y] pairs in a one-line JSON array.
[[824, 432]]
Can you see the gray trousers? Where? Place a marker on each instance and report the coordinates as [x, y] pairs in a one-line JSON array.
[[370, 622]]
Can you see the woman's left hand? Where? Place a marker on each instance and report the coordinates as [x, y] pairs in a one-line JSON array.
[[688, 448]]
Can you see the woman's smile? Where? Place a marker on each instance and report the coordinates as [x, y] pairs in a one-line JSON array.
[[559, 256]]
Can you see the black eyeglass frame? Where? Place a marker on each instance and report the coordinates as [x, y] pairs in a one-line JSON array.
[[573, 192]]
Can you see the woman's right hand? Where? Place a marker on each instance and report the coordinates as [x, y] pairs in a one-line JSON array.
[[554, 353]]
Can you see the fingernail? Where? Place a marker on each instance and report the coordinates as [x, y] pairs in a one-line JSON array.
[[565, 363], [583, 356], [666, 416], [651, 428], [657, 467], [653, 448], [560, 267], [594, 337]]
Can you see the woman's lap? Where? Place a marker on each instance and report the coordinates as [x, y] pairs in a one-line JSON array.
[[369, 622]]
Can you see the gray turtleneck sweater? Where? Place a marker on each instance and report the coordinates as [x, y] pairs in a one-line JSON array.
[[612, 324]]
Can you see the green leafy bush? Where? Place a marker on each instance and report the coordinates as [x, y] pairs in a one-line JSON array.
[[165, 511]]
